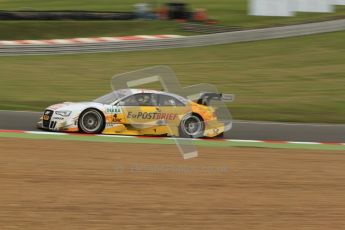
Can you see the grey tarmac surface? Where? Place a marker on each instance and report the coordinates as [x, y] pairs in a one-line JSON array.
[[246, 130]]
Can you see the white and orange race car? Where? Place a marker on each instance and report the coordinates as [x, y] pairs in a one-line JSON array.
[[139, 112]]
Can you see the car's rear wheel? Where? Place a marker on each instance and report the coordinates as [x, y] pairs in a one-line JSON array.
[[91, 121], [192, 125]]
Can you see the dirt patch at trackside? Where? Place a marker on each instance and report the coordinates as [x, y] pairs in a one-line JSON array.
[[84, 185]]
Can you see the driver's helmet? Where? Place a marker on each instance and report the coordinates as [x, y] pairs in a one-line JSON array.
[[143, 99]]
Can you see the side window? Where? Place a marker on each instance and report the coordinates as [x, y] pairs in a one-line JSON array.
[[165, 100], [141, 99]]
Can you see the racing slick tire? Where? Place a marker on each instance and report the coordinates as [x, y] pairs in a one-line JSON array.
[[191, 125], [91, 121]]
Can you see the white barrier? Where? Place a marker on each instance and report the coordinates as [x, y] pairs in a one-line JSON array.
[[289, 7], [270, 8], [322, 6], [338, 2]]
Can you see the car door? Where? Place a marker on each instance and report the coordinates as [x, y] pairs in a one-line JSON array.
[[139, 109], [172, 109]]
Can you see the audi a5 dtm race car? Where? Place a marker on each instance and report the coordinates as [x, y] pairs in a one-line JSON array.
[[139, 112]]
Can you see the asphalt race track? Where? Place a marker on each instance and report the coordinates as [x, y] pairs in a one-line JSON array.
[[246, 130]]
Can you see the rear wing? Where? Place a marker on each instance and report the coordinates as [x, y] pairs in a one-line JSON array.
[[206, 98]]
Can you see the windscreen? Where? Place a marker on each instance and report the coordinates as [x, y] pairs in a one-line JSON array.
[[112, 96]]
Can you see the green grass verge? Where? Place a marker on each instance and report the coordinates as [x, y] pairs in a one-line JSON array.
[[232, 12], [201, 143], [18, 30], [227, 12], [296, 79]]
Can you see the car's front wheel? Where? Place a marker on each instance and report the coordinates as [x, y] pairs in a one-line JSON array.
[[192, 125], [91, 121]]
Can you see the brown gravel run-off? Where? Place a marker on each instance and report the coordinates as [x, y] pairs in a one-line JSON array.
[[84, 185]]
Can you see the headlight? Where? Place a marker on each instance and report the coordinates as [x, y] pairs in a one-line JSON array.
[[63, 113]]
